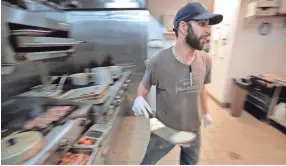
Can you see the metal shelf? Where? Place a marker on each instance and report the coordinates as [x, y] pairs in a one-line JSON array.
[[45, 55], [31, 32], [28, 41]]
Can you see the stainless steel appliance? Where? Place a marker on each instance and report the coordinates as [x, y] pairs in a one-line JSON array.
[[59, 136], [123, 34], [34, 35]]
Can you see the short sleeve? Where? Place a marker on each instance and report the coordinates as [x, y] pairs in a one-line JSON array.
[[149, 76], [208, 71]]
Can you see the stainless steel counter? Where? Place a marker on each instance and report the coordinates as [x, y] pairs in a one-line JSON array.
[[112, 113]]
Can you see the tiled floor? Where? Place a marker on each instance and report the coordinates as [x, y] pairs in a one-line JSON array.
[[229, 140]]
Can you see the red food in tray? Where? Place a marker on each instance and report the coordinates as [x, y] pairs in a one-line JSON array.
[[74, 158], [86, 141]]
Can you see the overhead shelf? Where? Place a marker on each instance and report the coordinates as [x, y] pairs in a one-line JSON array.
[[34, 56], [29, 41], [30, 32], [255, 10]]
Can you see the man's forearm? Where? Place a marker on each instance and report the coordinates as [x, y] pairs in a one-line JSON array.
[[142, 91], [204, 101]]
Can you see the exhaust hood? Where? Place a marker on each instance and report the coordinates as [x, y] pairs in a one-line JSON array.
[[104, 4]]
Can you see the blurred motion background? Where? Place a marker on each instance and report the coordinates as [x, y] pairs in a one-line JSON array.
[[43, 38]]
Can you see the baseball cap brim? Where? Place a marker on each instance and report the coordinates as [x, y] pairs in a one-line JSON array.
[[213, 18]]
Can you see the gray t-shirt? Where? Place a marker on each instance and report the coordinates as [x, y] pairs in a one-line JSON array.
[[178, 103]]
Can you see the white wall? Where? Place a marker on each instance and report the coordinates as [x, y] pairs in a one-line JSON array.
[[256, 54], [221, 63], [247, 52]]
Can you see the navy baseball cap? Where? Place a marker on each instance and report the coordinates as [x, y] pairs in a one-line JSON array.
[[195, 11]]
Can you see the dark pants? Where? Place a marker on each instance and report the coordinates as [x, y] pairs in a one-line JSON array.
[[158, 147]]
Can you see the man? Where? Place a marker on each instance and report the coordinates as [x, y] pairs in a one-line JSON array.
[[179, 74]]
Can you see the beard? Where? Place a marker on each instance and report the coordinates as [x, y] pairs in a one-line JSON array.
[[192, 40]]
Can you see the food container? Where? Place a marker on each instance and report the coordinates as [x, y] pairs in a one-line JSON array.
[[116, 70], [87, 142], [95, 133], [80, 79], [93, 95], [77, 161], [102, 75]]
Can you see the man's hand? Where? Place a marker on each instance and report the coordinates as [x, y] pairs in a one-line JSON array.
[[141, 107], [207, 120]]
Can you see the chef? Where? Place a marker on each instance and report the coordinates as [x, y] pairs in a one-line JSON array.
[[180, 74]]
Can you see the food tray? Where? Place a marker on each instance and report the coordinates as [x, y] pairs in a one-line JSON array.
[[47, 93], [56, 122], [98, 132], [76, 94], [91, 152], [95, 101]]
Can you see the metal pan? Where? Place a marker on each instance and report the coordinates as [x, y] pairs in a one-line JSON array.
[[98, 132]]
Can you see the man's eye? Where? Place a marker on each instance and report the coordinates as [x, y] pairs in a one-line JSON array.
[[202, 24]]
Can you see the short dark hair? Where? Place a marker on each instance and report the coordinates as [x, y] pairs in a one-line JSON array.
[[176, 32]]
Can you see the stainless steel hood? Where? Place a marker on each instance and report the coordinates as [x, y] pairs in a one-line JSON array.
[[104, 4]]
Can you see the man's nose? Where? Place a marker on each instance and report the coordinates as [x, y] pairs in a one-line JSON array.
[[208, 31]]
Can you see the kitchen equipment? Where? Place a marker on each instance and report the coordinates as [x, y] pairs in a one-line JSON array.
[[102, 75], [91, 153], [30, 32], [45, 93], [93, 94], [33, 56], [59, 140], [59, 136], [62, 82], [30, 41], [97, 132], [80, 78], [116, 70], [17, 148], [31, 117], [175, 136], [52, 115]]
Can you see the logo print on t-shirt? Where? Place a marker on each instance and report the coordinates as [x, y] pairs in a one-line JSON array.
[[187, 85]]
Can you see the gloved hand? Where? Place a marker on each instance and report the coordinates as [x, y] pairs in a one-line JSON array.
[[140, 107], [207, 120]]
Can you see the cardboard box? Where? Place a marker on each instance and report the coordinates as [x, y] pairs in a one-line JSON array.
[[268, 3]]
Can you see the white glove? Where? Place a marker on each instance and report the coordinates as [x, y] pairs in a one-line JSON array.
[[141, 107], [207, 120]]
